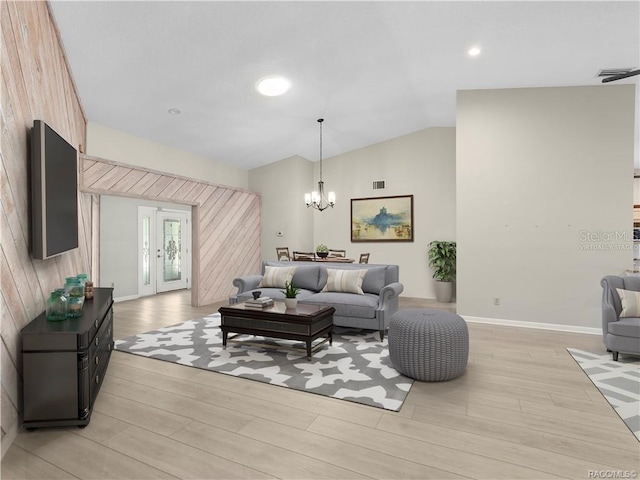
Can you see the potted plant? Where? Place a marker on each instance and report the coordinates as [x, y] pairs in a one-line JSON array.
[[290, 293], [442, 258], [322, 251]]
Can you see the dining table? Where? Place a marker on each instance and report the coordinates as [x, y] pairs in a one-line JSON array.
[[326, 259]]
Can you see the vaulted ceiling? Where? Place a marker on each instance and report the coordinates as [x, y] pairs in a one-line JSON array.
[[373, 70]]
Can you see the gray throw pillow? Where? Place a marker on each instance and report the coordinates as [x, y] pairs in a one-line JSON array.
[[374, 280], [307, 277]]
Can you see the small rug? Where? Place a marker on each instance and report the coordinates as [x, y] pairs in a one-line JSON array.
[[355, 368], [618, 382]]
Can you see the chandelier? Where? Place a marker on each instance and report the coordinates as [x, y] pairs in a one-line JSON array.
[[316, 199]]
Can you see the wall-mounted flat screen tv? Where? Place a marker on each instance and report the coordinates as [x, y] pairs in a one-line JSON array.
[[54, 193]]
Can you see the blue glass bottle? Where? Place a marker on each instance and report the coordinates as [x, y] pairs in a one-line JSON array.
[[75, 295], [57, 305]]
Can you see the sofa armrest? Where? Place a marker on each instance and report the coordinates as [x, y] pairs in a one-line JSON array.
[[244, 284], [388, 293], [608, 315]]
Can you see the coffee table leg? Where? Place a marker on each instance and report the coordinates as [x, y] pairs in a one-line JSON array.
[[330, 337], [224, 339], [308, 350]]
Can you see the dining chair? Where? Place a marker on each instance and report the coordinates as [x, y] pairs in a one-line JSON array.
[[364, 258], [282, 253], [304, 256], [337, 253]]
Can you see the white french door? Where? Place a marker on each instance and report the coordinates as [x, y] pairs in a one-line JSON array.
[[164, 250]]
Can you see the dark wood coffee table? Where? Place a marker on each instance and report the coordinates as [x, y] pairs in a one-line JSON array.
[[306, 323]]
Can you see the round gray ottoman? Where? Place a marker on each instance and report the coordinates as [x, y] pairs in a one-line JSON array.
[[428, 345]]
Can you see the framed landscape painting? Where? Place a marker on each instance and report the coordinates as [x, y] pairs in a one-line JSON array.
[[382, 219]]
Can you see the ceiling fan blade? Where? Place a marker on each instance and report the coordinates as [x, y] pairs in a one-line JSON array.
[[620, 76]]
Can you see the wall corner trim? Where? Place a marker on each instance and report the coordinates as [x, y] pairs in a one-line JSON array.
[[9, 437]]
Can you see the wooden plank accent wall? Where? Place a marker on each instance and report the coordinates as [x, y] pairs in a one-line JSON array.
[[36, 84], [226, 222]]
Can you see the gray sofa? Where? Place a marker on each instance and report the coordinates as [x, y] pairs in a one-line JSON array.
[[620, 334], [370, 311]]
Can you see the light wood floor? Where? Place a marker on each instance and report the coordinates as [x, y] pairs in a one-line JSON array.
[[523, 409]]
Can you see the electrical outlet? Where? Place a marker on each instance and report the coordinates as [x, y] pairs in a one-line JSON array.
[[496, 301]]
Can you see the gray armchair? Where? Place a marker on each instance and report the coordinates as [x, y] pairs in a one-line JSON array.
[[620, 334]]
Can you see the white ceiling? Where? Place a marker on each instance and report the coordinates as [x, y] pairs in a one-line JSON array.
[[373, 70]]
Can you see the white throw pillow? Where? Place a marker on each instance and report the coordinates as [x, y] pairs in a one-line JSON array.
[[630, 301], [345, 281], [276, 277]]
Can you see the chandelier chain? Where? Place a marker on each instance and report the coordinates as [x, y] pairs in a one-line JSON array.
[[320, 120]]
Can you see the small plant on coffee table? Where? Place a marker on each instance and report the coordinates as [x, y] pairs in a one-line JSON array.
[[290, 290]]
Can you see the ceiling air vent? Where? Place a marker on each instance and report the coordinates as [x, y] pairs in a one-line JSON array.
[[379, 184], [608, 72]]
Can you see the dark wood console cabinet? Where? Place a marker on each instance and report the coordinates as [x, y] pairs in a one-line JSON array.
[[64, 363]]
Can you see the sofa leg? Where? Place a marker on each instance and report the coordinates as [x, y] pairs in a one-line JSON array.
[[615, 356], [381, 335], [608, 350]]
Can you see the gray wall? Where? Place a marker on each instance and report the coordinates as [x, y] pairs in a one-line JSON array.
[[119, 242], [421, 163], [113, 144], [545, 189], [283, 185]]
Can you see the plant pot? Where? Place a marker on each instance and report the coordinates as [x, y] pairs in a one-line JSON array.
[[291, 303], [322, 254], [444, 291]]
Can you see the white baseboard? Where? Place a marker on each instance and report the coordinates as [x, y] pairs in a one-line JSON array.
[[538, 325], [124, 299]]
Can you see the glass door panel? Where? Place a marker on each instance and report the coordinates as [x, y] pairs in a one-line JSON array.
[[171, 235], [146, 251], [172, 251]]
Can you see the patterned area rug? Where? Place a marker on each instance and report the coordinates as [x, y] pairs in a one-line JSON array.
[[355, 368], [618, 382]]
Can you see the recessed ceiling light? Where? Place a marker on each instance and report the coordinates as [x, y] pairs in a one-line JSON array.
[[174, 111], [474, 51], [273, 86]]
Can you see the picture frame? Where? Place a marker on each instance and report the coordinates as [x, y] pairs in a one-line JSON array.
[[382, 219]]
